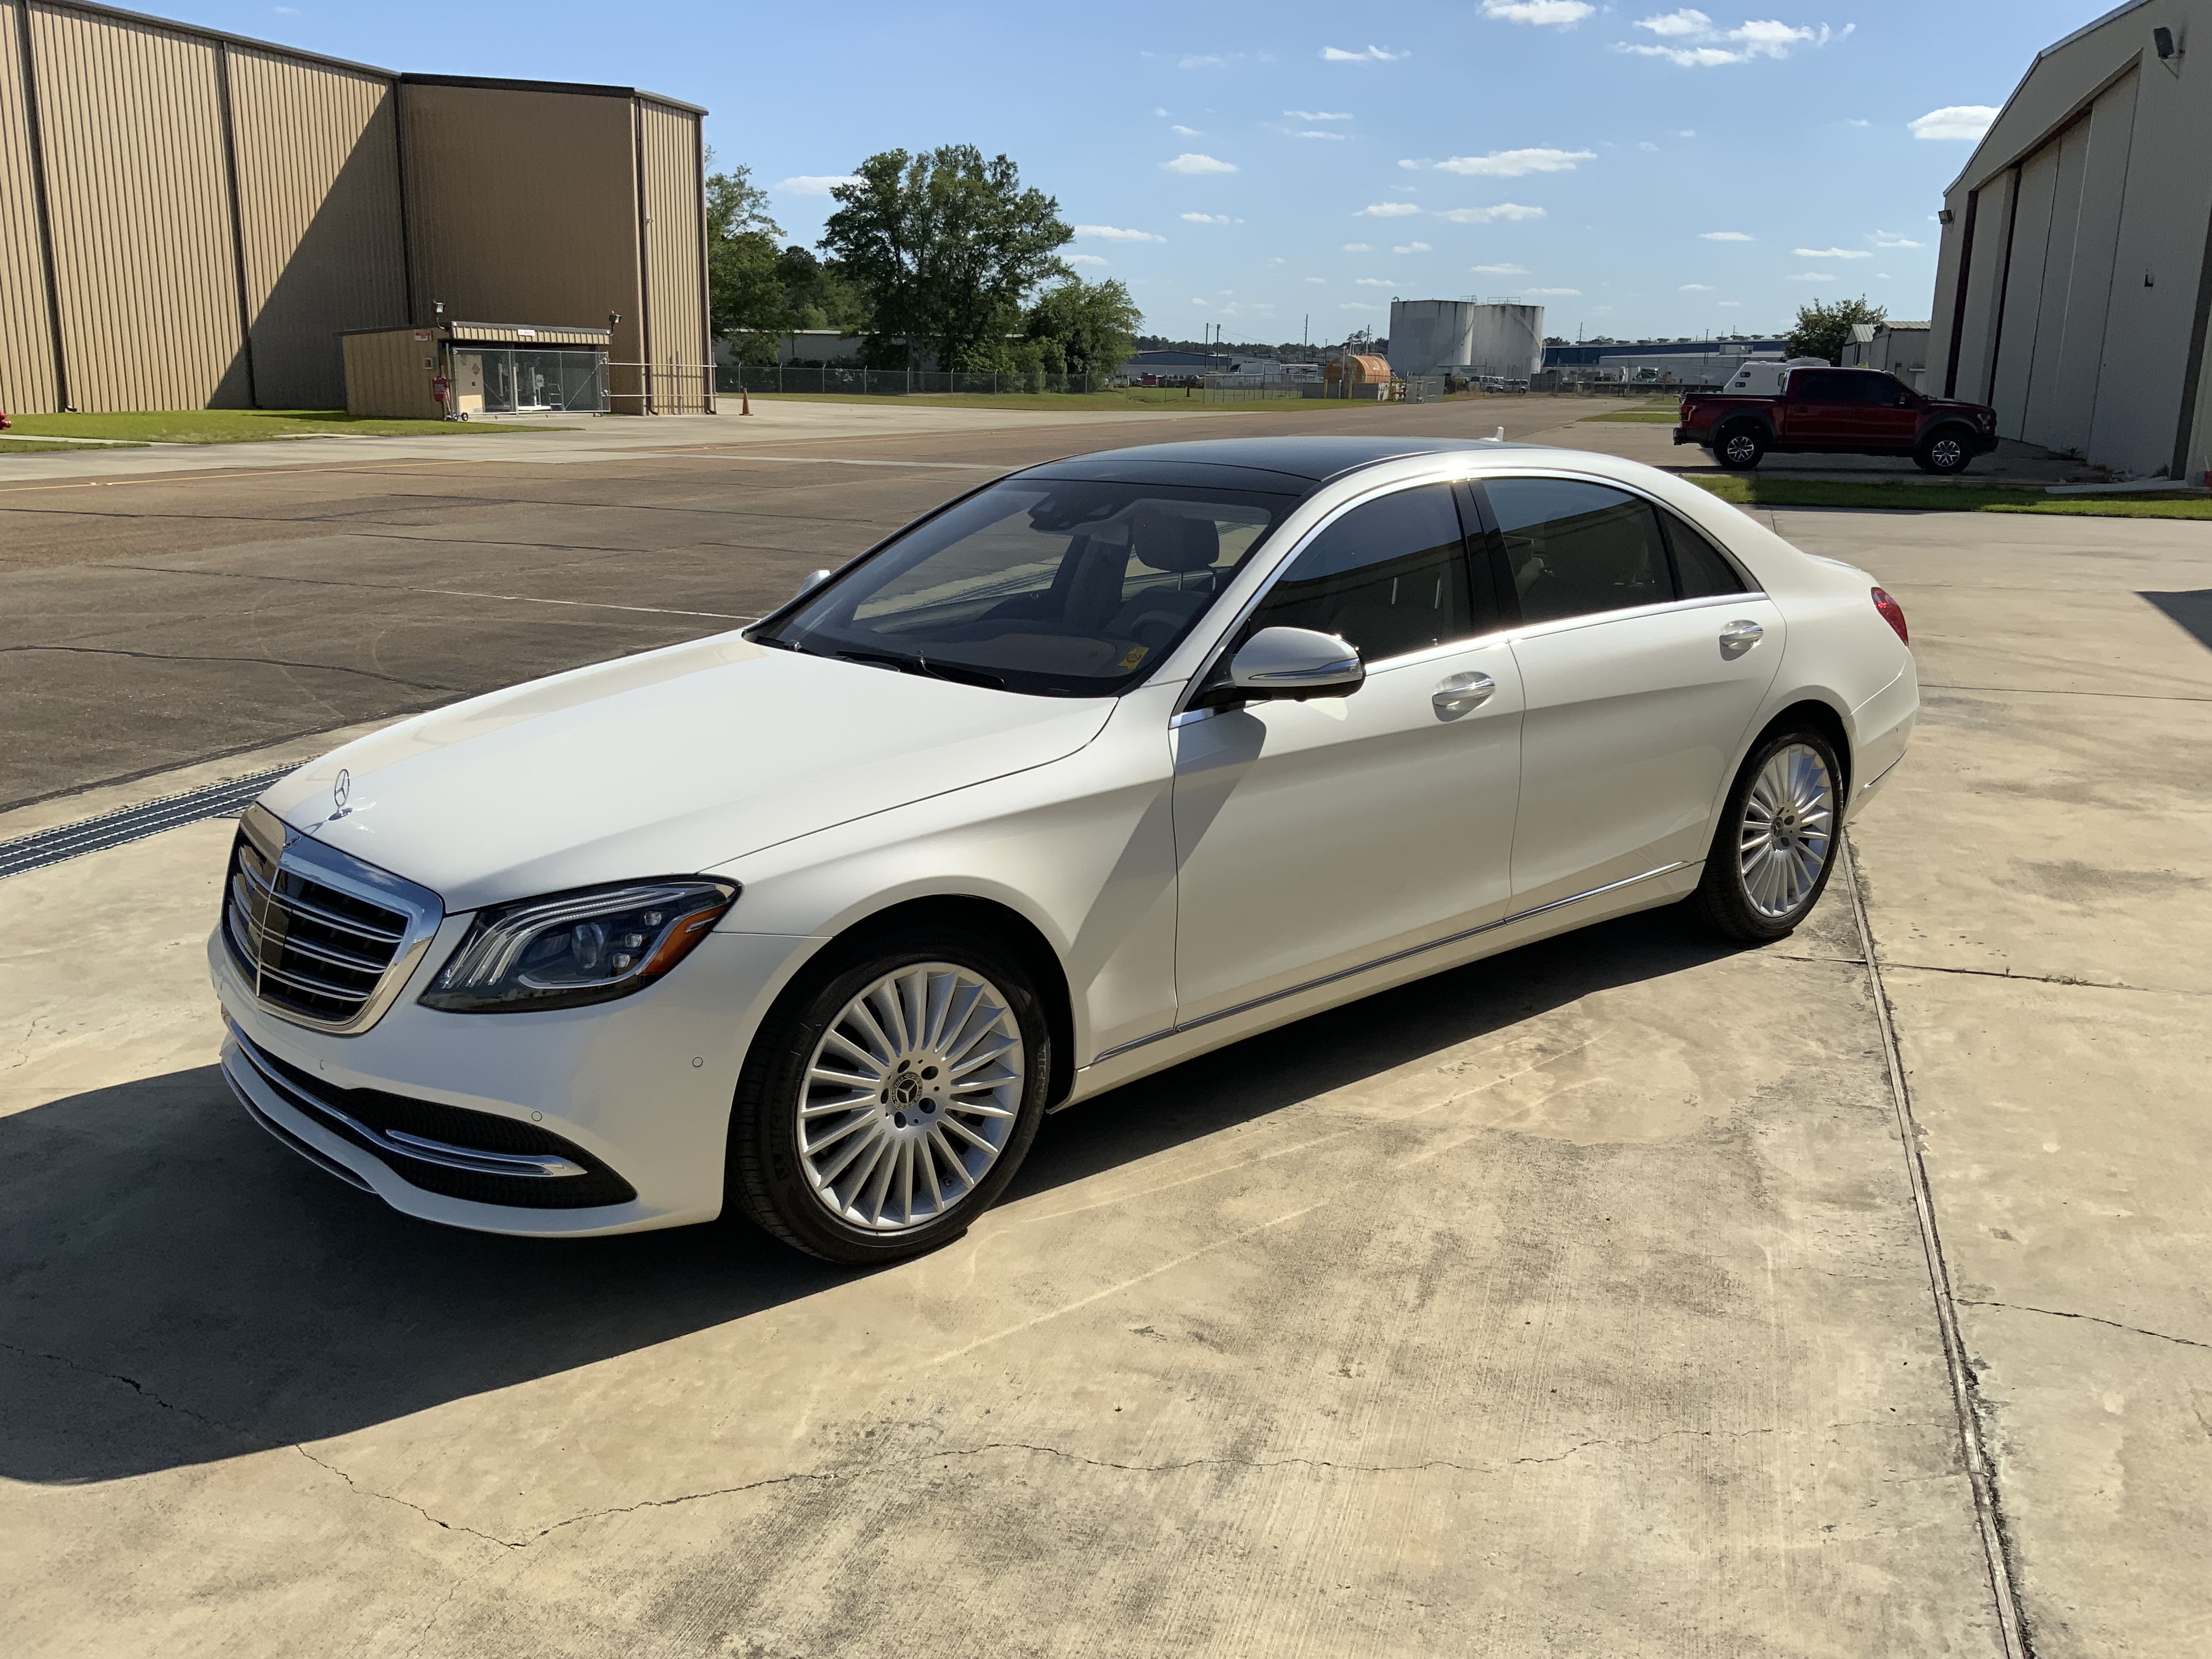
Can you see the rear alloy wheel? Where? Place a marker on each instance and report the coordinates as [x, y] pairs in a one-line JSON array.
[[1944, 452], [1776, 842], [1740, 448], [889, 1108]]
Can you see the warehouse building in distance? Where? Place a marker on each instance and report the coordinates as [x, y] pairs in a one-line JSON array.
[[193, 219], [2075, 285]]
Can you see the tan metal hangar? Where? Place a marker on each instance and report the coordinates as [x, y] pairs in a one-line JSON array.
[[191, 220]]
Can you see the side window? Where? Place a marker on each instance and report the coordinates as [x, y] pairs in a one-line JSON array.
[[1814, 386], [1576, 548], [1390, 576], [1701, 571]]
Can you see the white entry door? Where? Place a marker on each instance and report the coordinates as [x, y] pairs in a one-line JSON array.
[[1315, 837]]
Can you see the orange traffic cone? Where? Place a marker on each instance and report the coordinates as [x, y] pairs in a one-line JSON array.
[[747, 399]]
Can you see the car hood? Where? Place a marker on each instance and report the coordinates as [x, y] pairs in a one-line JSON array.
[[1955, 406], [664, 763]]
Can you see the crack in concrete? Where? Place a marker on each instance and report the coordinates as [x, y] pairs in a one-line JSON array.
[[265, 662], [355, 1486], [2093, 1319]]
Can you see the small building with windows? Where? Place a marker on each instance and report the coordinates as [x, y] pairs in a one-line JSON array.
[[462, 371]]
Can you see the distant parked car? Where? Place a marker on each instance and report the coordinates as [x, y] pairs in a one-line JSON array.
[[1104, 765], [1838, 411]]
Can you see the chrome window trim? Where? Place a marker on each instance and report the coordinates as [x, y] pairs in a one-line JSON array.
[[286, 848], [1629, 613], [1465, 934]]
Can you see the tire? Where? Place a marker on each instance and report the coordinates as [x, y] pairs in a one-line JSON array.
[[1776, 842], [1740, 448], [1946, 451], [918, 1154]]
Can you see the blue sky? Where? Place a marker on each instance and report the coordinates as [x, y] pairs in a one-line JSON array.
[[1638, 169]]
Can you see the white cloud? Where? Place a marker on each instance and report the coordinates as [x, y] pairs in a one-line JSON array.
[[1831, 253], [1511, 212], [1084, 259], [1210, 219], [1372, 55], [1724, 236], [1964, 121], [814, 184], [1386, 211], [1317, 132], [1413, 247], [1559, 293], [1648, 145], [1374, 282], [1357, 304], [1188, 162], [1687, 132], [1731, 305], [1856, 122], [1318, 281], [1499, 270], [1892, 239], [1697, 288], [1115, 234], [1184, 132], [1707, 45], [1315, 115], [1358, 247], [1158, 112], [1544, 13], [1203, 60], [1814, 277], [1509, 163]]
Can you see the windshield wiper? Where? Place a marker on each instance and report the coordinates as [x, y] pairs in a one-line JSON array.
[[918, 664]]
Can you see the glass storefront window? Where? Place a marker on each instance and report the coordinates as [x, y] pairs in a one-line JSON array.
[[518, 382]]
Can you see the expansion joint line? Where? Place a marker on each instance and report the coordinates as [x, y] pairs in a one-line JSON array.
[[1980, 1474]]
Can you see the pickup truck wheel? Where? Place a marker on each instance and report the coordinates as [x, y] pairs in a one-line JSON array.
[[1740, 448], [889, 1100], [1945, 451]]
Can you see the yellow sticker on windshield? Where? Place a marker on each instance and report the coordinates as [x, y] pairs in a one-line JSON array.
[[1137, 654]]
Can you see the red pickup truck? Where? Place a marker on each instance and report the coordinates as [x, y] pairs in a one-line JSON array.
[[1838, 411]]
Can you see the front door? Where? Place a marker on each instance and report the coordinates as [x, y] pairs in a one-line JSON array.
[[1315, 837], [1642, 665]]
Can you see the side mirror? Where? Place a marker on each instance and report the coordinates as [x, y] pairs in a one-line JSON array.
[[814, 579], [1294, 664]]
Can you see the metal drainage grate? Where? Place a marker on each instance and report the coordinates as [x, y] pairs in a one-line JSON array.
[[69, 841]]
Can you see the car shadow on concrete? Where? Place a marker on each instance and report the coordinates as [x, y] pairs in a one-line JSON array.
[[176, 1288], [2190, 611]]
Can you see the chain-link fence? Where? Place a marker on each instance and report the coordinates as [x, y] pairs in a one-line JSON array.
[[895, 382]]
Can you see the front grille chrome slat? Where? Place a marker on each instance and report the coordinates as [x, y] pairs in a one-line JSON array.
[[327, 940]]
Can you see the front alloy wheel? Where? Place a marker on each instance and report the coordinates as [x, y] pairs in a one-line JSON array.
[[1775, 844], [890, 1097]]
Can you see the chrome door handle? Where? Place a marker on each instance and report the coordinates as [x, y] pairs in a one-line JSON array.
[[1739, 637], [1460, 692]]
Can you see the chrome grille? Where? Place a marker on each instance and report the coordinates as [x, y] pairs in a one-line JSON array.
[[327, 940]]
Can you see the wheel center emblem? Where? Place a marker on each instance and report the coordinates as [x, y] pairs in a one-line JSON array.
[[907, 1090]]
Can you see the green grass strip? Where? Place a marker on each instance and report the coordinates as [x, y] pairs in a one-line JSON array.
[[1642, 416], [1946, 498], [14, 446], [245, 426]]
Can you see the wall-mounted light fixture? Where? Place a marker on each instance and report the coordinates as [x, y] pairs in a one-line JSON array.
[[2171, 48], [1943, 215]]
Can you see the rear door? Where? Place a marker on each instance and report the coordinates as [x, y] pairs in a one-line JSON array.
[[1818, 409], [1644, 654], [1889, 413]]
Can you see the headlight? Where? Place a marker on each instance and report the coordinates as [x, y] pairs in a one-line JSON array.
[[573, 948]]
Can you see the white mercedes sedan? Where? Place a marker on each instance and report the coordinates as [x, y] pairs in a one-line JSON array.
[[1107, 763]]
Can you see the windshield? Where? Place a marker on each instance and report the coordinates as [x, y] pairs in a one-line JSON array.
[[1048, 586]]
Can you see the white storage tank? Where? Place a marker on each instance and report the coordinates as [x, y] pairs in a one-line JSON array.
[[1430, 337]]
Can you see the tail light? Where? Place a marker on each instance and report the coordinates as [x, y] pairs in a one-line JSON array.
[[1892, 613]]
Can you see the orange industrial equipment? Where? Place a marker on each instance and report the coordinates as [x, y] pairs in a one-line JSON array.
[[1361, 368]]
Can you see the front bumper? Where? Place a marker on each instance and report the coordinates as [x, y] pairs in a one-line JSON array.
[[638, 1090]]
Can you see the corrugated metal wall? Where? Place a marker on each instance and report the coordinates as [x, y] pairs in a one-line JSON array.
[[27, 346], [136, 186], [522, 207], [675, 273], [319, 219]]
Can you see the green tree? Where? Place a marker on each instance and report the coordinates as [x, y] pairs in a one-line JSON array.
[[948, 247], [1823, 331], [1094, 324], [745, 296]]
